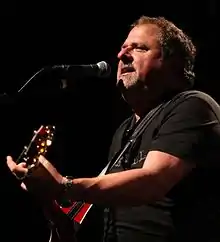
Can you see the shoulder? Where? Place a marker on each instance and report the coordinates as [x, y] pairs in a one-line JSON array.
[[193, 102], [192, 95]]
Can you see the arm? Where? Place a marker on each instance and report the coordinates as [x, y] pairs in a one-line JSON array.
[[159, 174], [173, 154]]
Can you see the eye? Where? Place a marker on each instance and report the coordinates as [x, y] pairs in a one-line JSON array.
[[140, 49]]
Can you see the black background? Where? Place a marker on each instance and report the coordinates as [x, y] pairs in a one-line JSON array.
[[35, 34]]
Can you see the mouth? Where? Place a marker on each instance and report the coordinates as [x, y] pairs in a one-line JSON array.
[[126, 70]]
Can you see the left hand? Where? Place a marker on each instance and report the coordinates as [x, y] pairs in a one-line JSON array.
[[19, 170], [44, 181]]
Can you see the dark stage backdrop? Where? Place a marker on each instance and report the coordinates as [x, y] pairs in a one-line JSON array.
[[36, 34]]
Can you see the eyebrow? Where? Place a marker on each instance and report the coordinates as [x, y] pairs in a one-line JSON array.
[[134, 44]]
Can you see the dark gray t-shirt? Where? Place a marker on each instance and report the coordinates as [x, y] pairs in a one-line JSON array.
[[187, 127]]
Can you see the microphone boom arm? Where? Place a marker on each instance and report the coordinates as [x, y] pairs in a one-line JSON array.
[[29, 80]]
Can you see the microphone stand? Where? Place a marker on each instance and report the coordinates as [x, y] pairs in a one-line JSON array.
[[5, 98], [9, 104]]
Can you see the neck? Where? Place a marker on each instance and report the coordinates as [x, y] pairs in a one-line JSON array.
[[142, 104]]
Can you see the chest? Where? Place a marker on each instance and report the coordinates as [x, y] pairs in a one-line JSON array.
[[135, 155]]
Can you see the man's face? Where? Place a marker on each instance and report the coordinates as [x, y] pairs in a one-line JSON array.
[[140, 57]]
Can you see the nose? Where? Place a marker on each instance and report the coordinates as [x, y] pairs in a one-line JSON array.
[[125, 55]]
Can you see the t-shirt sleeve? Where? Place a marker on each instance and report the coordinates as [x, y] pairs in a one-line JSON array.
[[190, 131]]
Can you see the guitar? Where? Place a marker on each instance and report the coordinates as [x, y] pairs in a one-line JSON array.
[[64, 221]]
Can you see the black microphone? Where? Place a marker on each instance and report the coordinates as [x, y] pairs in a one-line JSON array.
[[99, 70]]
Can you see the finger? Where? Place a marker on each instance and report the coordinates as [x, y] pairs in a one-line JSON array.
[[23, 186], [22, 168], [22, 165]]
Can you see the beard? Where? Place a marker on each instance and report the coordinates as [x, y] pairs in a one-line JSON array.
[[128, 80], [131, 87], [131, 83]]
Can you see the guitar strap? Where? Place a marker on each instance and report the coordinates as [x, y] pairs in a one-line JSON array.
[[141, 126]]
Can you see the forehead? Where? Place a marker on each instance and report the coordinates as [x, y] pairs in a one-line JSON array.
[[148, 34]]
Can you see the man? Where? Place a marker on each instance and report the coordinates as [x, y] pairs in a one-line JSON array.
[[163, 186]]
